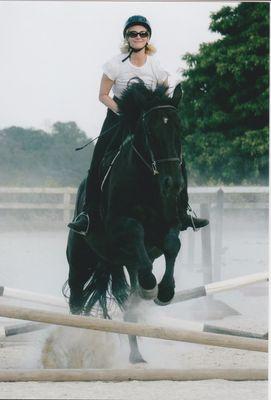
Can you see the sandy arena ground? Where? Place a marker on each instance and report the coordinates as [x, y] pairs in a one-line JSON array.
[[36, 261]]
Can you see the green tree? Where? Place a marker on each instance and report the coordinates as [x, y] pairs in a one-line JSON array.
[[225, 99], [30, 157], [68, 166]]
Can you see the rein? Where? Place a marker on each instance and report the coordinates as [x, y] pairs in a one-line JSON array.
[[153, 166], [101, 135]]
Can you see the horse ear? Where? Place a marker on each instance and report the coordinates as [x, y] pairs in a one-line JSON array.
[[177, 95]]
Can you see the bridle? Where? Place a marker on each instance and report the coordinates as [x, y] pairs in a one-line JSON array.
[[153, 166]]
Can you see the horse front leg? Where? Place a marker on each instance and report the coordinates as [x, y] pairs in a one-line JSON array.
[[127, 246], [166, 288], [131, 315]]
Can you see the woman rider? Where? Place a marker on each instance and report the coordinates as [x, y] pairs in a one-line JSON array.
[[116, 74]]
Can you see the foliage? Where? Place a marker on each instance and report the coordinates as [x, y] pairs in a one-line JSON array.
[[224, 111], [30, 157]]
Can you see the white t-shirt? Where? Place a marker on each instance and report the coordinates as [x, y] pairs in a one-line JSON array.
[[121, 72]]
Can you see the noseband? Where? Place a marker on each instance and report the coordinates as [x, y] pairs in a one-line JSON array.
[[153, 166]]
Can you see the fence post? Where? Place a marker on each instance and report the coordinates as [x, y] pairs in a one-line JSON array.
[[206, 246], [66, 208], [218, 234]]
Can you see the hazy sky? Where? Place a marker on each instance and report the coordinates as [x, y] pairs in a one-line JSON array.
[[52, 54]]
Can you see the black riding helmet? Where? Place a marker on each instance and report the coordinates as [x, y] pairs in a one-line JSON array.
[[136, 20]]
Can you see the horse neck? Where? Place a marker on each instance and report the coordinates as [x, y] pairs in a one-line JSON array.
[[140, 142], [142, 164]]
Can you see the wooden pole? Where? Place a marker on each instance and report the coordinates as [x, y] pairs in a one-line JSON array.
[[234, 283], [118, 375], [32, 297], [218, 234], [222, 286], [19, 329], [234, 332], [203, 327], [154, 331]]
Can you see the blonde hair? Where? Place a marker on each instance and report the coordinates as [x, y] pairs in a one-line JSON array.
[[149, 50]]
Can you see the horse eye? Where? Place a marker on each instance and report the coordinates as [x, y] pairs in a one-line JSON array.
[[165, 119]]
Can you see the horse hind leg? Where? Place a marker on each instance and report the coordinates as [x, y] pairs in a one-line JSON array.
[[130, 315], [135, 356]]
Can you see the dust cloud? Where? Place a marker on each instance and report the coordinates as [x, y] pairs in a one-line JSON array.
[[79, 348]]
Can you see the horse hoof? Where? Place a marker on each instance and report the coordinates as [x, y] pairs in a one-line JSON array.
[[165, 294], [148, 294], [161, 303], [137, 359]]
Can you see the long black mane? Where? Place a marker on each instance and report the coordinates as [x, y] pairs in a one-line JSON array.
[[137, 98]]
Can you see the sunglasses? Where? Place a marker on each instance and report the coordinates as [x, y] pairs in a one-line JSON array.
[[134, 34]]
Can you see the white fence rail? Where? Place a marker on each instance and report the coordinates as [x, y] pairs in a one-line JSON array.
[[66, 204], [244, 197]]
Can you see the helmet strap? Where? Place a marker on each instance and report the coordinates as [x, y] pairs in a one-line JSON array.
[[132, 50]]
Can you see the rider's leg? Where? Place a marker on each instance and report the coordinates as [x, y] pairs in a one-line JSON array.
[[188, 220], [90, 215]]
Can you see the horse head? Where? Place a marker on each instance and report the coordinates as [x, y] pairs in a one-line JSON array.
[[153, 119]]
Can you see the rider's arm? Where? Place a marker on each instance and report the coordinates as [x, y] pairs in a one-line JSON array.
[[105, 87], [165, 83]]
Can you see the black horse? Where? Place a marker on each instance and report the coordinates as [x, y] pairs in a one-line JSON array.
[[140, 211]]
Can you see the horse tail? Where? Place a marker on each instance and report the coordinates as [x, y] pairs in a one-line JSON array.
[[107, 283]]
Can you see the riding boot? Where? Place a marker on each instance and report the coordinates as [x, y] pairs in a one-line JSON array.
[[191, 221], [81, 223], [89, 218], [188, 217]]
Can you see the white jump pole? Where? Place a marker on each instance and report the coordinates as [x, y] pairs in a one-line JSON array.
[[118, 375], [233, 332], [203, 327], [18, 329], [28, 327], [32, 297], [159, 332], [217, 287]]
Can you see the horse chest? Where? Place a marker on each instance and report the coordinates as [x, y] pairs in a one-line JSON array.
[[154, 228], [144, 214]]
